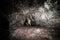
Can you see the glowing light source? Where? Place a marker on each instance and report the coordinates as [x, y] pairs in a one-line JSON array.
[[43, 16]]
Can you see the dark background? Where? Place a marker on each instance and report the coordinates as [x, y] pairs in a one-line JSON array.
[[5, 7]]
